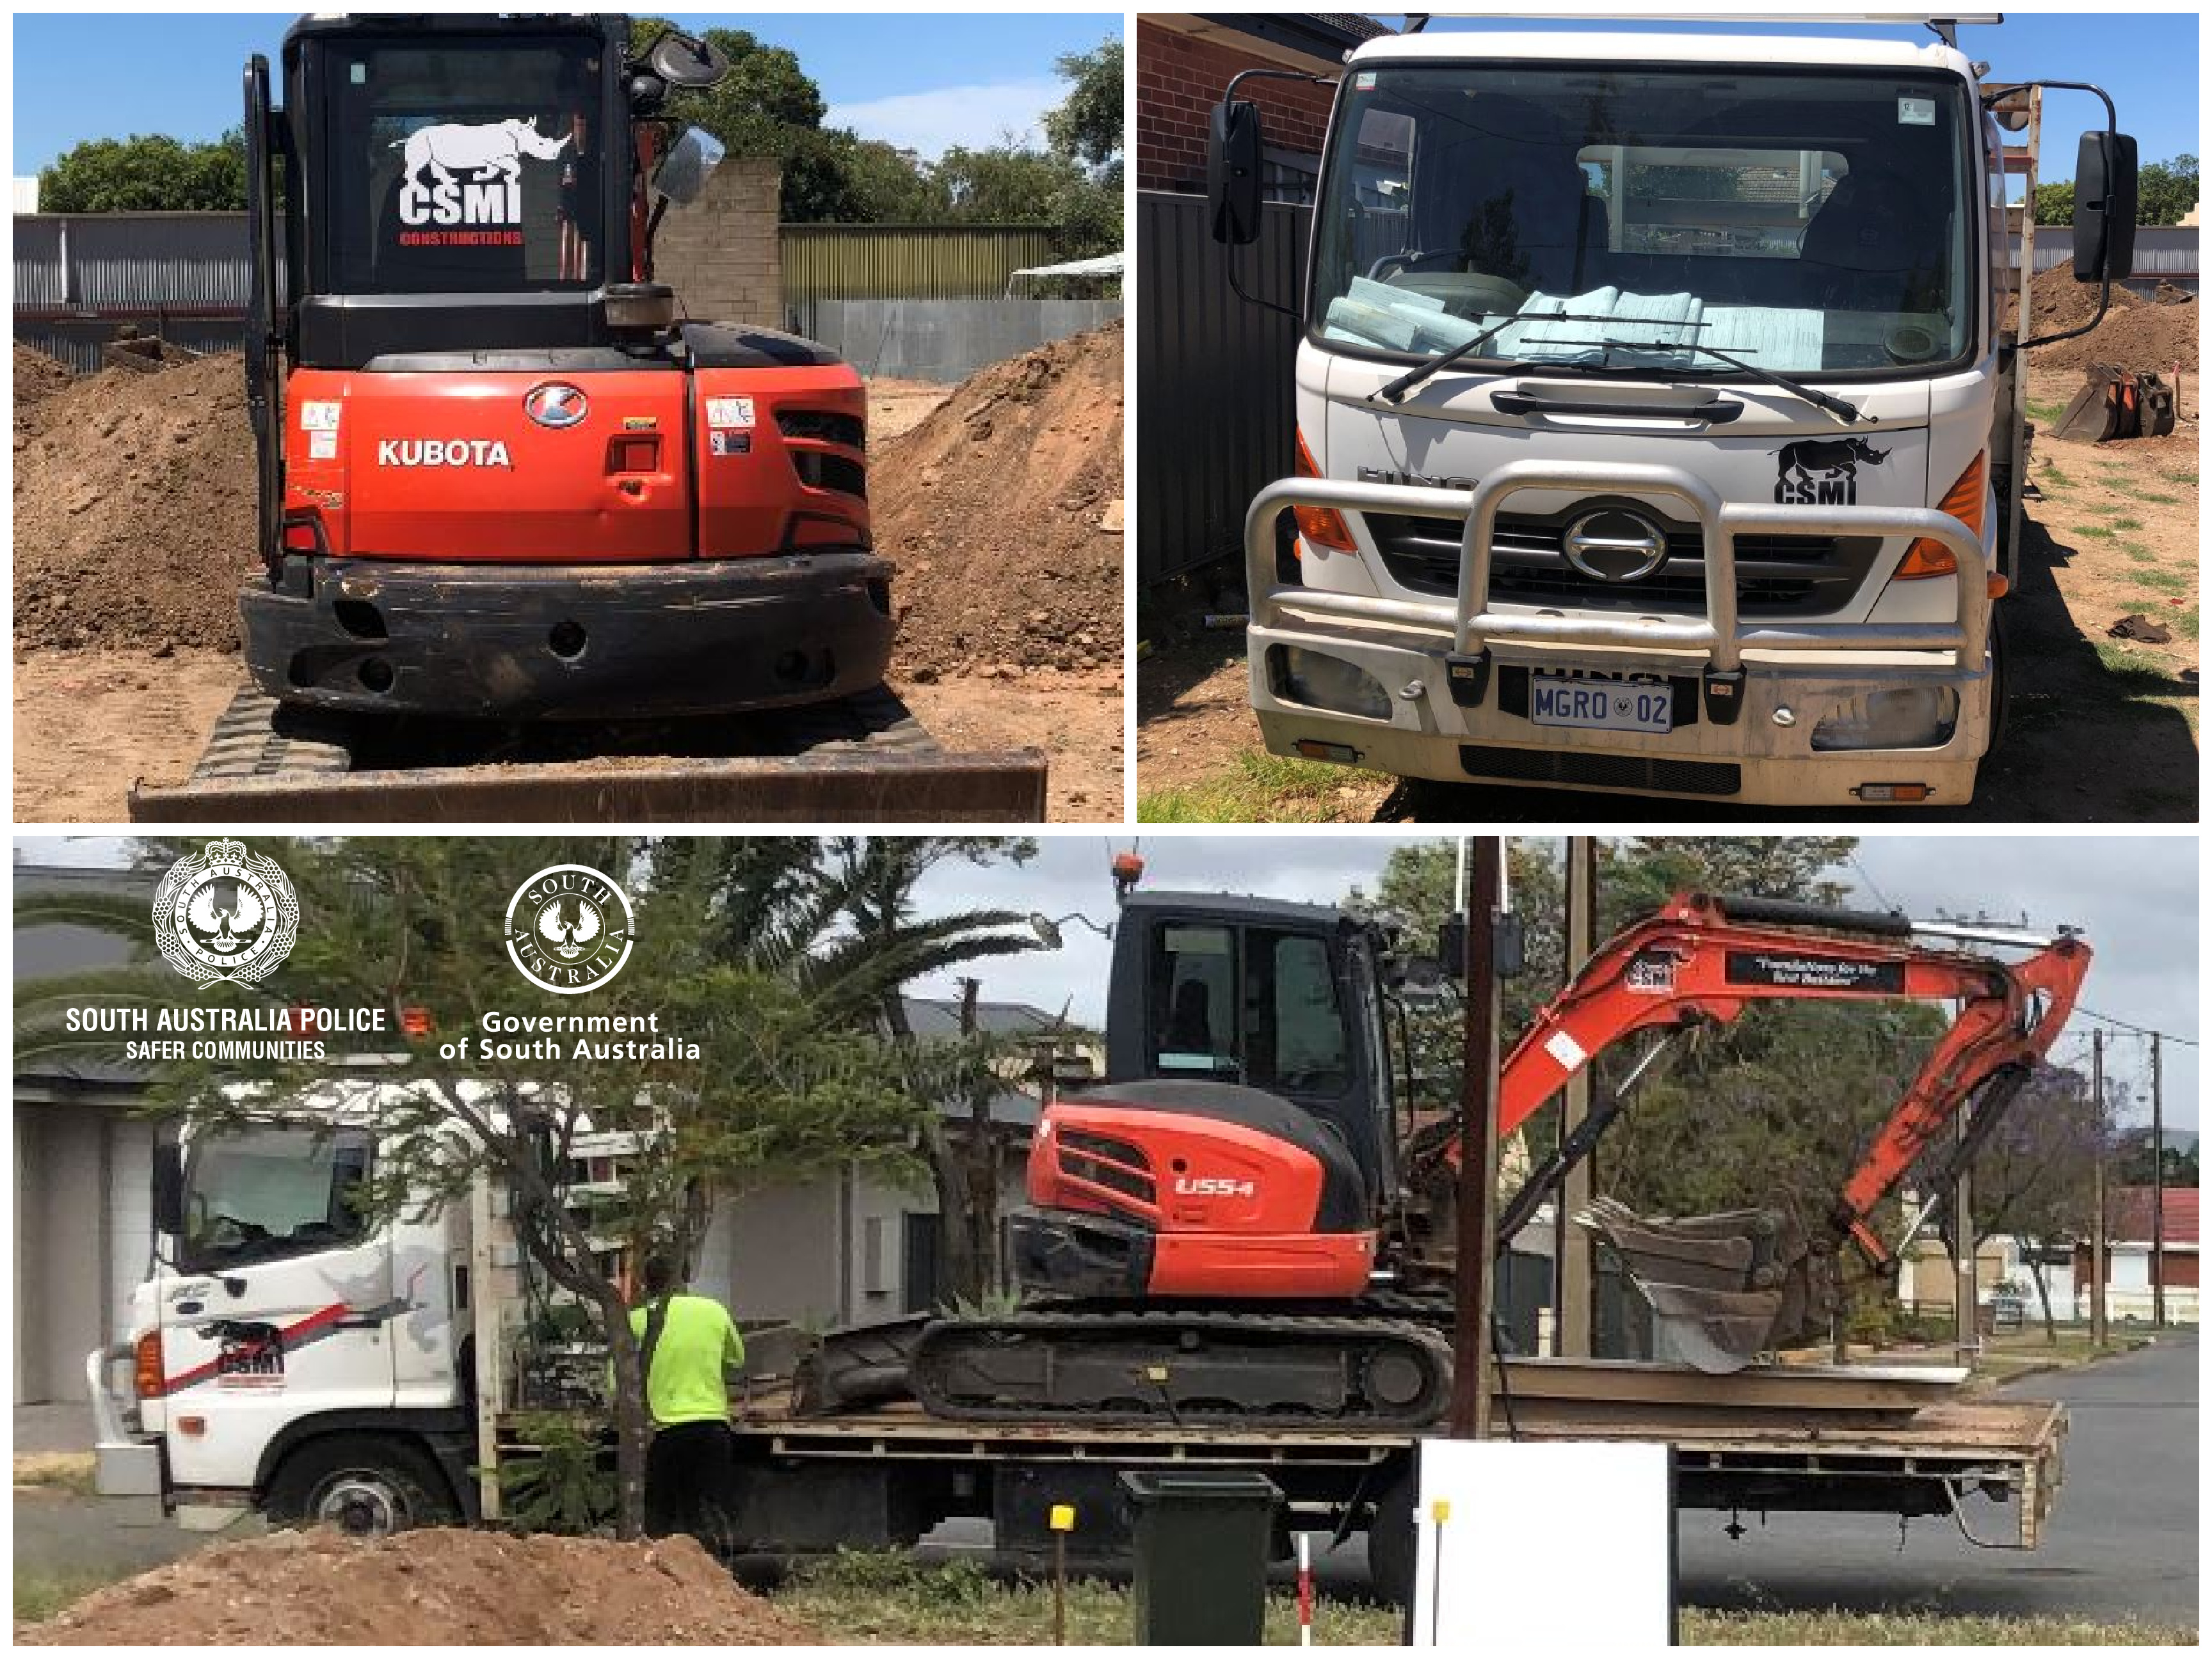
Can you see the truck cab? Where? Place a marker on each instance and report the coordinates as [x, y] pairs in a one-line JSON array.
[[1657, 430], [285, 1353]]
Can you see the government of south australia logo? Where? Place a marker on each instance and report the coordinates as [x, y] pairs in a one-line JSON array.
[[225, 913], [569, 929]]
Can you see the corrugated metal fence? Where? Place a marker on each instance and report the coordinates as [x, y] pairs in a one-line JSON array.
[[82, 276], [1216, 418], [906, 262]]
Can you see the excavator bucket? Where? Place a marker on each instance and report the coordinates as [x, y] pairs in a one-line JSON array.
[[1724, 1288]]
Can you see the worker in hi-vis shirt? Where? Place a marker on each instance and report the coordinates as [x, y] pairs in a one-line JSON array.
[[689, 1467]]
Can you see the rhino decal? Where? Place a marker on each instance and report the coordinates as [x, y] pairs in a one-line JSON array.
[[1823, 471], [492, 152], [491, 157]]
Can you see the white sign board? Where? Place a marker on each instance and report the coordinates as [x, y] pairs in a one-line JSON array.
[[1527, 1530]]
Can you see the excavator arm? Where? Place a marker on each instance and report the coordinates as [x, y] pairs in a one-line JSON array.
[[1700, 959]]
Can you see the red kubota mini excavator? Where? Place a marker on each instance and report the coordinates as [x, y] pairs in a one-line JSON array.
[[499, 478], [1239, 1224]]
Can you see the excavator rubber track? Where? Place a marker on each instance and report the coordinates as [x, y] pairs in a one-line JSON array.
[[863, 758], [1168, 1365]]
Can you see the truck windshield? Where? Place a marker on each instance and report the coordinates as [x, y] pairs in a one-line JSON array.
[[464, 168], [257, 1194], [1803, 221]]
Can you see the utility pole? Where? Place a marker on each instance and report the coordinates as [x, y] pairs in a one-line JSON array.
[[1965, 1281], [2097, 1242], [2157, 1192], [1572, 1328], [1478, 1149]]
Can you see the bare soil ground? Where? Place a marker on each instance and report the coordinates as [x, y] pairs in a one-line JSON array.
[[437, 1588], [122, 489], [2102, 730]]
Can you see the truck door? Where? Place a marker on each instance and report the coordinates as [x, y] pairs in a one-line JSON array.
[[275, 1299]]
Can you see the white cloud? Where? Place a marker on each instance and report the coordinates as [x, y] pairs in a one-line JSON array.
[[972, 117]]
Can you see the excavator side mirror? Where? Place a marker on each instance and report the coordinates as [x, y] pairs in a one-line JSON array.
[[682, 61], [682, 174]]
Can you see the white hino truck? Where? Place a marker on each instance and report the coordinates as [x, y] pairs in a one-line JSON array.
[[1659, 418]]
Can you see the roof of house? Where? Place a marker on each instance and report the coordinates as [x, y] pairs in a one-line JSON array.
[[2131, 1215], [934, 1017]]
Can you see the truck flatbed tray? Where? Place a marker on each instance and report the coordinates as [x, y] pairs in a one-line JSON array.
[[862, 759]]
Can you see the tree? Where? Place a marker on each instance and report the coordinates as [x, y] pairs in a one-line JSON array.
[[2165, 191], [2035, 1173], [147, 175], [753, 1082], [1086, 126]]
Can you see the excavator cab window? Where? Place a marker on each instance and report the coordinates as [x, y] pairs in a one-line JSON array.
[[467, 166], [1250, 1006]]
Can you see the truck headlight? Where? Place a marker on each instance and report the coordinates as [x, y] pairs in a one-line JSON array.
[[1910, 717], [1321, 681]]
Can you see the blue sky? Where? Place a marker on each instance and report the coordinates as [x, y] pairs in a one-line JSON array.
[[2147, 60], [923, 80]]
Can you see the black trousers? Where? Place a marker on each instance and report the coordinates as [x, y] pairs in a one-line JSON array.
[[688, 1470]]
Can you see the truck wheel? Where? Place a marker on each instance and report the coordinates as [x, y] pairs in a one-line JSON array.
[[2000, 678], [1390, 1539], [366, 1485]]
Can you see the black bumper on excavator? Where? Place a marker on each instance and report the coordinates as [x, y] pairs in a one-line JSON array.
[[600, 643]]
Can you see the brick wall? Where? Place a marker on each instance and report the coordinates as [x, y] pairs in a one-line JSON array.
[[1179, 80], [723, 254]]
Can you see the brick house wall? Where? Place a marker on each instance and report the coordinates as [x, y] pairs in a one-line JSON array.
[[1179, 80], [723, 254]]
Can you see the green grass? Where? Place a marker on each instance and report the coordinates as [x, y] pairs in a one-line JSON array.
[[2136, 673], [2188, 478], [2037, 411], [2052, 479], [69, 1472], [1258, 787], [2140, 555], [2125, 524], [2186, 621], [875, 1597], [1918, 1630], [2096, 532], [2166, 581], [2152, 496], [41, 1595], [881, 1597]]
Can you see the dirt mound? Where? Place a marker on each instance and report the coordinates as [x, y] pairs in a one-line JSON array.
[[1003, 510], [38, 377], [423, 1589], [134, 509], [2136, 333]]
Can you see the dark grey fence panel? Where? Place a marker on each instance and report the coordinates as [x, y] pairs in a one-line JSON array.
[[1216, 418]]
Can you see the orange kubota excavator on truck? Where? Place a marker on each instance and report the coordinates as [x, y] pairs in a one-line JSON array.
[[1241, 1222]]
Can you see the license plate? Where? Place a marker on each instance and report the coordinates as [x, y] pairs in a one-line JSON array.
[[1605, 705]]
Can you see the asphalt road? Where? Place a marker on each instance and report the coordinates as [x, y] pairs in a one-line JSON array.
[[2121, 1543]]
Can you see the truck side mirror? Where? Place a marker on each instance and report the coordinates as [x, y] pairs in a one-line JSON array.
[[1451, 946], [1232, 173], [2105, 208], [169, 1188]]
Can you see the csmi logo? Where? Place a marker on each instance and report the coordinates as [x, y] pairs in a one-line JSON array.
[[492, 155]]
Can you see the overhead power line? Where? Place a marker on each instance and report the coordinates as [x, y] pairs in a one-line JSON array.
[[2140, 1030]]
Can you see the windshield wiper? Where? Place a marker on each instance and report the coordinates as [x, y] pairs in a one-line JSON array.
[[1836, 406], [1394, 391]]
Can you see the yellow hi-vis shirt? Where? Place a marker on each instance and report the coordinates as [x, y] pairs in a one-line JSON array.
[[698, 1342]]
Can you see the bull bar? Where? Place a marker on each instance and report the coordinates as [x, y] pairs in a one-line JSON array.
[[1721, 634]]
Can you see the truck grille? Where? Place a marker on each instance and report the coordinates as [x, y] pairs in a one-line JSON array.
[[1777, 576], [1677, 777]]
